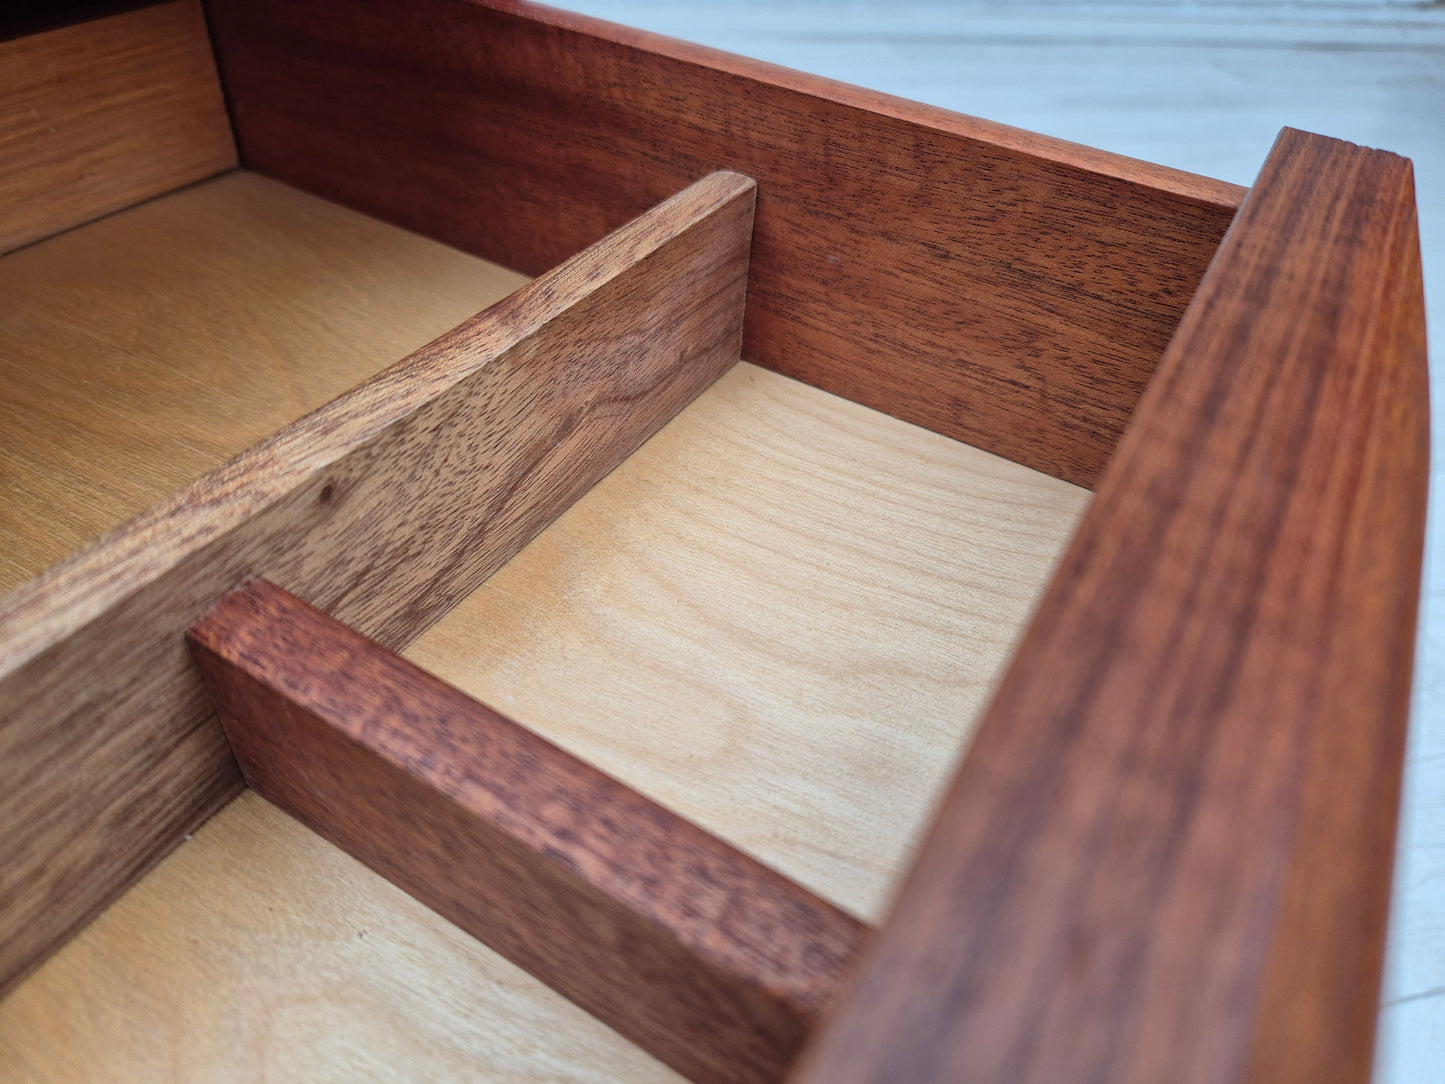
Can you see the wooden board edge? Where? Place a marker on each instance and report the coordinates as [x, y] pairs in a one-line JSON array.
[[1164, 179]]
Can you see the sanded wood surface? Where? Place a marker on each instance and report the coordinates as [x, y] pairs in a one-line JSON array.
[[257, 951], [780, 618], [385, 508], [1000, 287], [702, 956], [1167, 854], [141, 351], [103, 114]]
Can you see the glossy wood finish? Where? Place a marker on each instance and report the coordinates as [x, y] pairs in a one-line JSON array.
[[780, 618], [1167, 853], [141, 351], [386, 507], [1006, 289], [701, 955], [100, 115]]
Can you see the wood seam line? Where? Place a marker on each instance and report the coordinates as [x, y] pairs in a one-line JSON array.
[[706, 958], [386, 507]]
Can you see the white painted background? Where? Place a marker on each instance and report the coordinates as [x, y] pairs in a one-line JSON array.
[[1203, 86]]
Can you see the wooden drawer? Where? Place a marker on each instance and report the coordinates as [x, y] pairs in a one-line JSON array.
[[922, 761]]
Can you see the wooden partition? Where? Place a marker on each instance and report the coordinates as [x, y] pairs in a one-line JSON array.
[[386, 506], [1000, 287], [701, 955]]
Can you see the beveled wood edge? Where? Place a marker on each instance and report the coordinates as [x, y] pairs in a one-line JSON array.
[[1176, 182], [109, 749], [704, 957], [1167, 853]]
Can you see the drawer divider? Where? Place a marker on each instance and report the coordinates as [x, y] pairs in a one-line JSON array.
[[387, 506], [708, 959]]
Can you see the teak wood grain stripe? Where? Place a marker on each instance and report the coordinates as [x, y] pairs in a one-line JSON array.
[[1006, 289], [100, 115], [1167, 853], [385, 507], [704, 957]]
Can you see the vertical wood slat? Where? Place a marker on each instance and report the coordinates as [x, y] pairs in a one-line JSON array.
[[1003, 288], [701, 955], [1166, 855], [100, 115], [386, 507]]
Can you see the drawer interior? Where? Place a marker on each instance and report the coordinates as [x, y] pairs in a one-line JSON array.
[[770, 596], [778, 618]]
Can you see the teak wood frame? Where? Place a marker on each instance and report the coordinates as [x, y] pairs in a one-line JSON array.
[[1166, 854]]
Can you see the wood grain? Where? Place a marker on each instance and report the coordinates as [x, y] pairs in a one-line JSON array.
[[103, 114], [385, 507], [141, 351], [646, 631], [257, 951], [780, 618], [1009, 290], [1167, 853], [704, 957]]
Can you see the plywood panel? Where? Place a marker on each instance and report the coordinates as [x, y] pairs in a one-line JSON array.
[[103, 114], [778, 618]]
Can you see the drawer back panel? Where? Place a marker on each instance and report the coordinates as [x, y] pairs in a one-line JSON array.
[[101, 115]]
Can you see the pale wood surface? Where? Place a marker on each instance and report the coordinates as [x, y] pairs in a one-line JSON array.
[[258, 951], [720, 622], [384, 508], [103, 114], [140, 351], [778, 618]]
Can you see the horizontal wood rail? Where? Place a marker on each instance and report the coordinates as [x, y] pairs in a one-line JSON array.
[[1166, 855], [1000, 287], [386, 507], [707, 959]]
